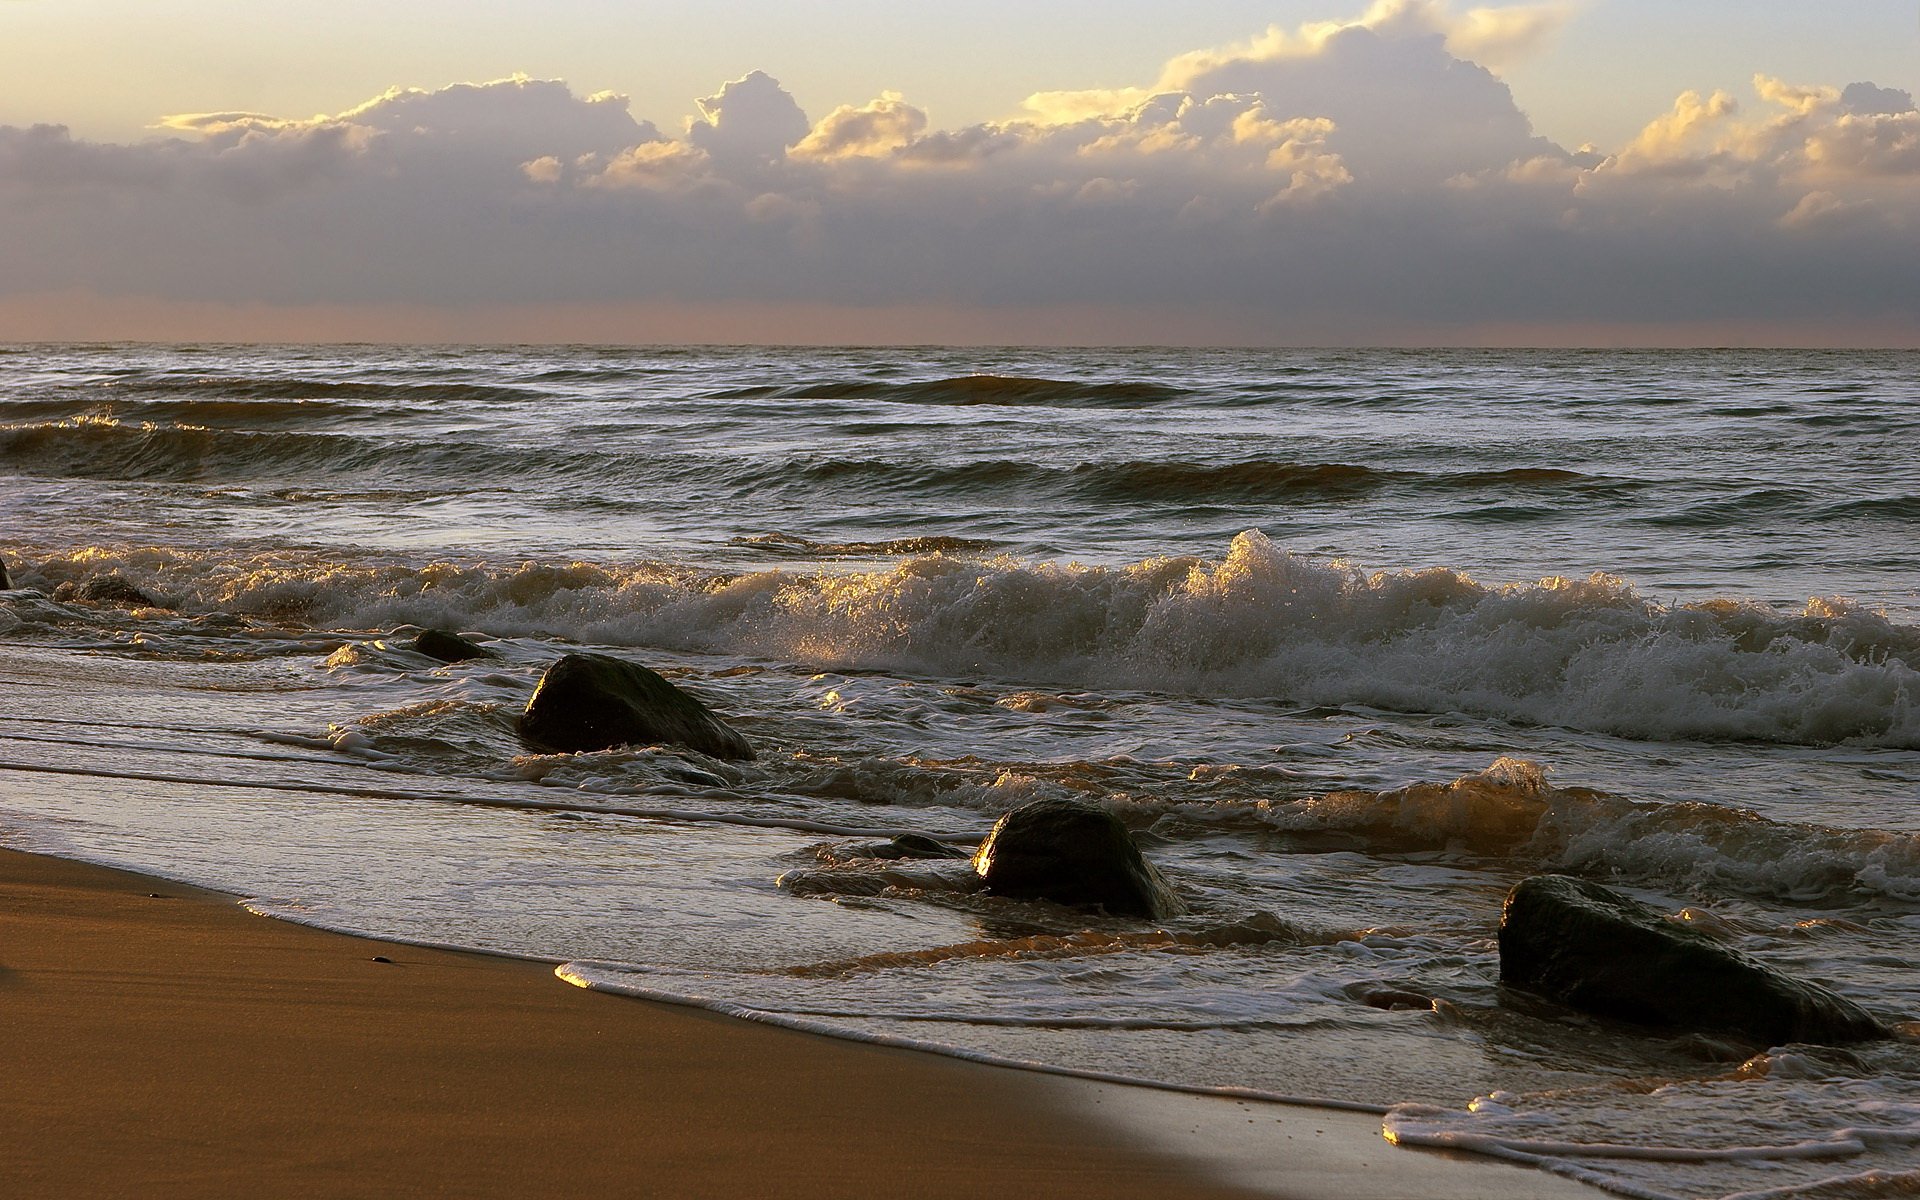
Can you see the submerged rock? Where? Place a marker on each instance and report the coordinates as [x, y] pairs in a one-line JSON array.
[[913, 845], [1071, 852], [106, 589], [597, 702], [1596, 950], [448, 647]]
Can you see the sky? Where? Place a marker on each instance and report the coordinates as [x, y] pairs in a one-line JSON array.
[[1598, 172]]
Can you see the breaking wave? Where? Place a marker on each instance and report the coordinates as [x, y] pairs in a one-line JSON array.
[[1589, 654], [1510, 811]]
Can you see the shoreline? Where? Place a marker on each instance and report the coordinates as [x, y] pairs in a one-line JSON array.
[[168, 1041]]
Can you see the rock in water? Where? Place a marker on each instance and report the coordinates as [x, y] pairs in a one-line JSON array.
[[1072, 853], [6, 584], [106, 589], [448, 647], [914, 845], [596, 702], [1595, 950]]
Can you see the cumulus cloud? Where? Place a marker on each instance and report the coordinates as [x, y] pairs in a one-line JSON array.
[[1497, 36], [748, 123], [879, 127], [1354, 176], [1405, 96], [1484, 35], [504, 123], [1869, 100], [1801, 133]]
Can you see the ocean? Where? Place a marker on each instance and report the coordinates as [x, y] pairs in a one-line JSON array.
[[1352, 640]]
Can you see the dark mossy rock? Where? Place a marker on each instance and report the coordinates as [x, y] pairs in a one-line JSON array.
[[1596, 950], [913, 845], [597, 702], [1071, 852], [448, 647], [106, 589]]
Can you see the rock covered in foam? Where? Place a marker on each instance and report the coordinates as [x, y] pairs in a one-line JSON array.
[[1072, 852], [106, 589], [597, 702], [1596, 950], [448, 647]]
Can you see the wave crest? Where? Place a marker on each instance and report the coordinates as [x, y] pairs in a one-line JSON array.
[[1589, 654], [1510, 811]]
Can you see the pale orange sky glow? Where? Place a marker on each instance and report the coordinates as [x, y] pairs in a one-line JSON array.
[[79, 316]]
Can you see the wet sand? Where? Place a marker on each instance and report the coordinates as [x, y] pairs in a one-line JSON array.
[[162, 1041]]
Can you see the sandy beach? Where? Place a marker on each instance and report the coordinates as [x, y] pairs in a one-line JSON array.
[[167, 1042]]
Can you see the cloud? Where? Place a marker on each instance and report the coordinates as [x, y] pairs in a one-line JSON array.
[[1497, 36], [876, 128], [1404, 99], [748, 123], [1809, 134], [1824, 209], [1867, 99], [1344, 181], [1489, 36], [1682, 135], [508, 119]]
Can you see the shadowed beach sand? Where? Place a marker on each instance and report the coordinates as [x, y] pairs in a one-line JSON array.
[[163, 1041]]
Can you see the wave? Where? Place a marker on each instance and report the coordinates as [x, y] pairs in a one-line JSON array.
[[1263, 479], [199, 411], [963, 390], [294, 388], [102, 447], [105, 448], [1733, 511], [1890, 508], [195, 440], [1175, 481], [1510, 811], [1589, 654], [918, 477], [794, 546]]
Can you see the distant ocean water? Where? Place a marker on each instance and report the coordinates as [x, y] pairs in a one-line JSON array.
[[1354, 640]]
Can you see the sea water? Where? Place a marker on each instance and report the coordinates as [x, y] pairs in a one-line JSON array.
[[1352, 640]]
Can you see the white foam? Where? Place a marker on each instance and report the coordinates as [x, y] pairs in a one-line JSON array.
[[1709, 1156], [1590, 653], [621, 979]]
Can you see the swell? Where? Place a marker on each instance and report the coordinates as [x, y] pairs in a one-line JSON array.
[[119, 447], [200, 410], [965, 390], [1265, 478], [98, 447], [1589, 654], [1179, 481], [793, 546], [294, 388], [104, 448], [246, 401]]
